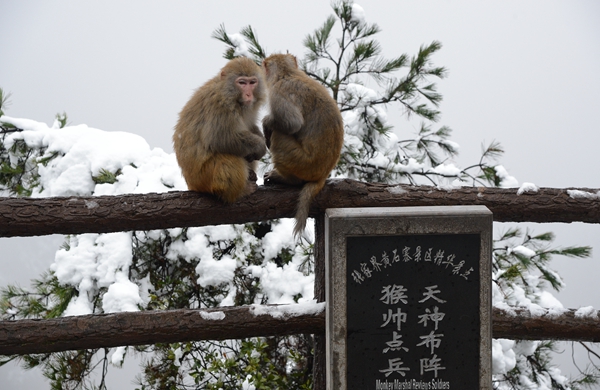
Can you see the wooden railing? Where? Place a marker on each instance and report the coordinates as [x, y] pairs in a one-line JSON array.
[[102, 214]]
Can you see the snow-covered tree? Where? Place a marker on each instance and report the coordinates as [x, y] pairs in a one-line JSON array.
[[255, 262]]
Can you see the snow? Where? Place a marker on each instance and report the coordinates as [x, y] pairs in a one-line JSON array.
[[526, 347], [451, 144], [212, 315], [506, 180], [123, 295], [215, 272], [360, 94], [282, 284], [397, 190], [410, 166], [279, 238], [84, 152], [286, 311], [178, 354], [197, 245], [118, 356], [447, 169], [577, 194], [241, 47], [358, 14], [527, 187], [246, 385], [94, 261], [503, 356], [586, 312], [523, 251]]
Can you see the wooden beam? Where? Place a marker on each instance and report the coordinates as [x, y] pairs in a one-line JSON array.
[[151, 327], [102, 214]]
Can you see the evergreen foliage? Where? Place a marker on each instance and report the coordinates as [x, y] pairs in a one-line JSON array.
[[171, 265]]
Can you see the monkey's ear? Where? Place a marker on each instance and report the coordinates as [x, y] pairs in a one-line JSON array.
[[291, 61], [222, 74]]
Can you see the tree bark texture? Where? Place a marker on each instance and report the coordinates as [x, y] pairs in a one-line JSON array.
[[102, 214], [151, 327], [522, 325]]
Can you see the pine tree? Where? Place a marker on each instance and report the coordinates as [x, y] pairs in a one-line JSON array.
[[236, 264]]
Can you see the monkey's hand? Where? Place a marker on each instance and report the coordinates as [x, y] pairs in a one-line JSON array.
[[259, 150], [255, 130], [251, 158]]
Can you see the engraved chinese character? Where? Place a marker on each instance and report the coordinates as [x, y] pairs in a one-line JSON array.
[[376, 265], [428, 254], [467, 273], [429, 294], [365, 270], [405, 256], [449, 261], [385, 259], [457, 267], [432, 364], [395, 366], [357, 276], [435, 316], [395, 344], [439, 256], [396, 256], [417, 254], [393, 294], [398, 318], [431, 340]]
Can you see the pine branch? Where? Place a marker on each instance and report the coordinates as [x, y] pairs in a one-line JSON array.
[[255, 48]]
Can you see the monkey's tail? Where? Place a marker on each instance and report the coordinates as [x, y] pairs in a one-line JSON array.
[[307, 194]]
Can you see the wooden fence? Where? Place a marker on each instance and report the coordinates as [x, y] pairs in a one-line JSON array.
[[102, 214]]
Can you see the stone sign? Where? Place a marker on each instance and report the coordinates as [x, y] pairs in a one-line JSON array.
[[408, 298]]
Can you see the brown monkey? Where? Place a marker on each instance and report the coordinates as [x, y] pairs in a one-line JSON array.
[[304, 131], [217, 138]]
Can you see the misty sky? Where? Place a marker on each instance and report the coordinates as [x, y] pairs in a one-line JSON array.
[[522, 73]]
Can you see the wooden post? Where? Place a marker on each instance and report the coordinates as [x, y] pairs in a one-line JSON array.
[[319, 364]]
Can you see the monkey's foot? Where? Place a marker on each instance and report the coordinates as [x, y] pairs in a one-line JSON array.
[[252, 176], [251, 187], [274, 177]]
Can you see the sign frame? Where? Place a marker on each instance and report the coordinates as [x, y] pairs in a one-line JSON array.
[[344, 223]]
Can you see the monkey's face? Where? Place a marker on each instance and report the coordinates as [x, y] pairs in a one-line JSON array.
[[246, 86]]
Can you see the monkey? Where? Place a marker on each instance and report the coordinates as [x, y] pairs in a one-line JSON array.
[[304, 131], [217, 139]]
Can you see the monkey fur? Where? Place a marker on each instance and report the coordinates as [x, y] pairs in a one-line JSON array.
[[304, 131], [216, 139]]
